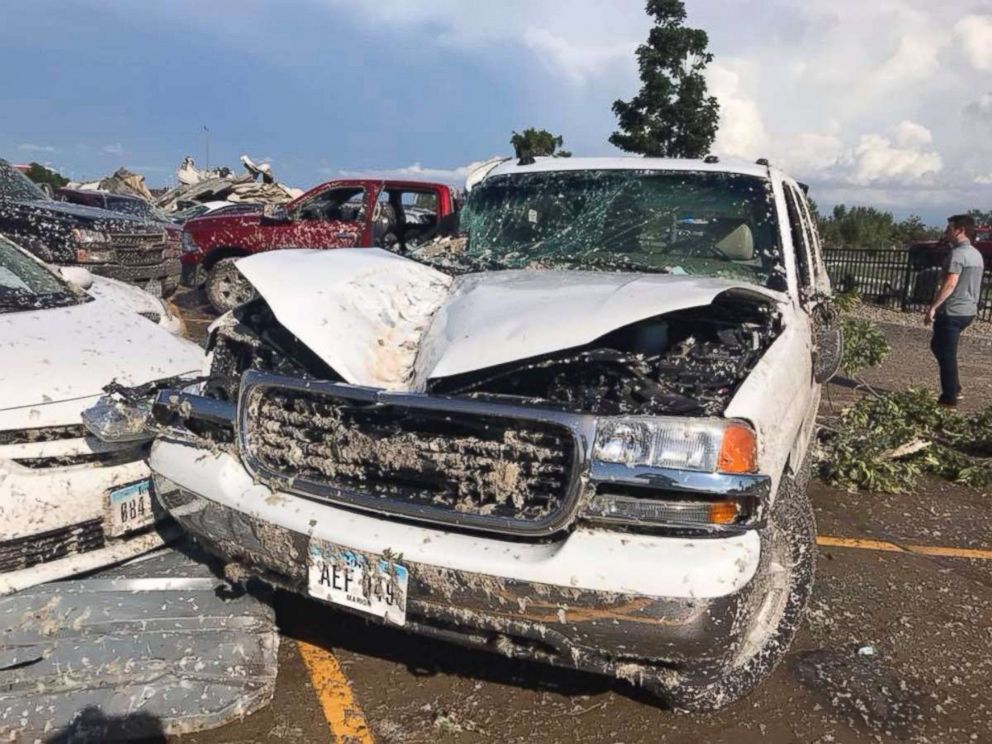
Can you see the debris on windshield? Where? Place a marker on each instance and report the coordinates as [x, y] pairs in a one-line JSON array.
[[440, 249], [257, 186], [712, 224]]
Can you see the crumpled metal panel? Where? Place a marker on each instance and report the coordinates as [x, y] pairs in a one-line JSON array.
[[157, 646]]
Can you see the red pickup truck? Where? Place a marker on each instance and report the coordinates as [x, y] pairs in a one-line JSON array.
[[337, 214], [926, 253]]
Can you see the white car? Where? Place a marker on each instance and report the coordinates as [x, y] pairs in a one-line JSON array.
[[68, 502], [580, 438]]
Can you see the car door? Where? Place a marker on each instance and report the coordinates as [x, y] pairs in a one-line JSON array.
[[332, 218], [817, 312]]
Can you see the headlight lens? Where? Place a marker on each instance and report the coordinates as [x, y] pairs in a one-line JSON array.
[[706, 446], [92, 246], [189, 245], [113, 420], [90, 237]]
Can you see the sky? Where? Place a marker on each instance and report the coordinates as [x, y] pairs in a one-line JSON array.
[[885, 103]]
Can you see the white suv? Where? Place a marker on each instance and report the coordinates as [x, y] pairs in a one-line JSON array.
[[581, 437], [70, 503]]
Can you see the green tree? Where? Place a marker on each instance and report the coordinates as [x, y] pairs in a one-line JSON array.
[[981, 217], [868, 227], [538, 143], [671, 116], [40, 174], [913, 229]]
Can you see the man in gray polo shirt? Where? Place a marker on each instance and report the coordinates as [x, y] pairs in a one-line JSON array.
[[955, 304]]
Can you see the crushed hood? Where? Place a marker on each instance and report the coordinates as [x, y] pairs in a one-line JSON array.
[[71, 353], [385, 321]]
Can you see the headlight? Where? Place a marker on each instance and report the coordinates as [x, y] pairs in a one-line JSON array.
[[113, 420], [92, 246], [189, 245], [706, 446], [677, 474]]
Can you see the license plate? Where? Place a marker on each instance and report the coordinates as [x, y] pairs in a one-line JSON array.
[[129, 508], [368, 584]]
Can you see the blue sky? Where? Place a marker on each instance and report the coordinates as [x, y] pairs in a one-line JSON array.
[[884, 103]]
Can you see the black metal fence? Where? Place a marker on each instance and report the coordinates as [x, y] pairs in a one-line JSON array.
[[896, 279]]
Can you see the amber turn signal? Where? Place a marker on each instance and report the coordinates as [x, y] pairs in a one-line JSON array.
[[739, 450], [724, 512]]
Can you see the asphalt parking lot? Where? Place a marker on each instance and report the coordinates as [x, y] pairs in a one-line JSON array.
[[895, 646]]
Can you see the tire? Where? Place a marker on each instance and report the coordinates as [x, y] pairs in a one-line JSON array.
[[225, 287], [782, 584]]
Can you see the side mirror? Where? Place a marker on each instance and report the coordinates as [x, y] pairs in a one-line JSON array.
[[275, 213], [828, 343], [77, 276]]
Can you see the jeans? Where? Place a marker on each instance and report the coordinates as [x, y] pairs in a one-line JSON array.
[[944, 345]]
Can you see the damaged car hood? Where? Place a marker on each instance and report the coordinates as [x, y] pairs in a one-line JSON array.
[[69, 353], [385, 321]]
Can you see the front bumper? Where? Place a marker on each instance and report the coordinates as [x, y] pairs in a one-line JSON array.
[[629, 605], [167, 272], [53, 522]]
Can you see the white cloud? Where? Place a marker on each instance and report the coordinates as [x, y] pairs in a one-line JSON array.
[[114, 149], [910, 134], [916, 57], [742, 130], [878, 159], [975, 32], [808, 153], [576, 62], [28, 147], [584, 41]]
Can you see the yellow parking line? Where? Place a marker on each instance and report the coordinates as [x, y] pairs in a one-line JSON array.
[[889, 547], [341, 709]]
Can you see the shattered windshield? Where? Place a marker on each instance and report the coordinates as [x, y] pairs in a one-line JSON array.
[[15, 185], [680, 222], [137, 208], [26, 284]]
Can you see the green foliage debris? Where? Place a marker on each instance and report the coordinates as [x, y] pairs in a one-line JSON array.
[[885, 442], [865, 347]]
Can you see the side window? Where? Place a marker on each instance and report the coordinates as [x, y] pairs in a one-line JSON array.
[[404, 215], [800, 241], [816, 247], [419, 207], [344, 204]]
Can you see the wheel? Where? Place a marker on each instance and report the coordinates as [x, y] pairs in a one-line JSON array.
[[226, 288], [782, 587]]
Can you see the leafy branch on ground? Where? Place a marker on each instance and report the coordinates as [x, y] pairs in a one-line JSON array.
[[865, 347], [885, 442]]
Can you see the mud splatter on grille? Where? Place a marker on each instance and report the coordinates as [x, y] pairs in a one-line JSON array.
[[452, 462], [43, 434], [24, 552]]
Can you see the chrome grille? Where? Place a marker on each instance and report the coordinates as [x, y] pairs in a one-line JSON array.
[[432, 459], [139, 249]]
